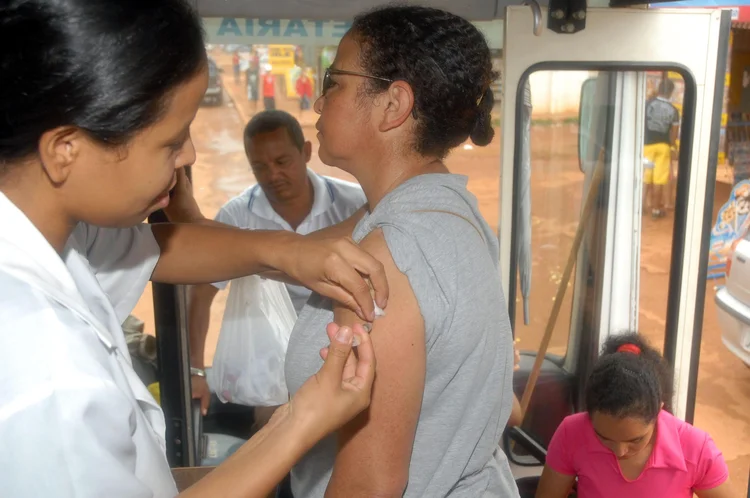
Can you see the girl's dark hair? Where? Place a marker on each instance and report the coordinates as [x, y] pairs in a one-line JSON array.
[[446, 61], [106, 67], [628, 383]]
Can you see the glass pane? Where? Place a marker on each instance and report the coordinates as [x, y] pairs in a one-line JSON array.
[[235, 94], [573, 187], [557, 183], [662, 120]]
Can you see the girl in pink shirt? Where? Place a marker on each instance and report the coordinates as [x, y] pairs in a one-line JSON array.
[[627, 444]]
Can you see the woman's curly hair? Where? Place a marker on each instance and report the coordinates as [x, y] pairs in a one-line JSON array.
[[447, 62]]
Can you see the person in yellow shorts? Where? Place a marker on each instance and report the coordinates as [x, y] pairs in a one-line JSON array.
[[662, 121]]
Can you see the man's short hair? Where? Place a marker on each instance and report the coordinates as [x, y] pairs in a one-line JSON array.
[[666, 87], [272, 120]]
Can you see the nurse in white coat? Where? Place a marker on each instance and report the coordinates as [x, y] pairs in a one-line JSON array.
[[95, 111]]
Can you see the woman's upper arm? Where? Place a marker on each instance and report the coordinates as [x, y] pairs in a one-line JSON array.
[[712, 471], [560, 449], [721, 491], [375, 448], [559, 472], [553, 484]]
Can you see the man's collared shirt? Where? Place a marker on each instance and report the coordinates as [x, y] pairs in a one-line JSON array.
[[334, 201]]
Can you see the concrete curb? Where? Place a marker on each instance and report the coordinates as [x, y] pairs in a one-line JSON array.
[[230, 90]]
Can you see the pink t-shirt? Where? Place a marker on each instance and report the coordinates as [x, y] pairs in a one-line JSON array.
[[684, 459]]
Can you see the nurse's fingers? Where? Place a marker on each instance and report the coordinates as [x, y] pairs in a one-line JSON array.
[[336, 268], [359, 369], [369, 267], [351, 362], [181, 178], [338, 354], [349, 288], [365, 365]]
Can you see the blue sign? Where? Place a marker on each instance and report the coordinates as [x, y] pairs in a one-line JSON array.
[[274, 31], [235, 30]]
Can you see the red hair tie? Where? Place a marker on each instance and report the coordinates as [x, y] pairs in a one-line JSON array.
[[629, 348]]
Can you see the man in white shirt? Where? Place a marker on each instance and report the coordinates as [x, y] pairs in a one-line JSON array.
[[288, 196]]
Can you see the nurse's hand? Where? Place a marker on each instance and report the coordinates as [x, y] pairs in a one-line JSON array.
[[340, 390], [338, 268], [329, 399], [183, 208], [327, 261]]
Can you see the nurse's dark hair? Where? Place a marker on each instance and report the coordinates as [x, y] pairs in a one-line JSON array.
[[272, 120], [106, 67], [446, 61], [630, 379]]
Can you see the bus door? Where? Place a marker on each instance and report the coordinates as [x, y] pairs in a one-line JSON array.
[[585, 252]]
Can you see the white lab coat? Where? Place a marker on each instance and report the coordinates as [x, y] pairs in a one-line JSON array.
[[75, 419]]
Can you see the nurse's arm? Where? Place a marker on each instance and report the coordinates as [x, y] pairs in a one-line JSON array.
[[259, 465], [554, 484], [183, 208], [336, 267], [720, 491], [340, 230], [343, 229], [341, 389], [375, 449]]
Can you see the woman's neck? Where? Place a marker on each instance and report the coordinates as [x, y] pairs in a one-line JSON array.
[[383, 176], [38, 204]]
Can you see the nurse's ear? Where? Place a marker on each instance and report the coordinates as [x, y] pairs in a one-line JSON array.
[[58, 150]]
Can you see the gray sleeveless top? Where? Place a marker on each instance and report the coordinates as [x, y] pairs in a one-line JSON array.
[[451, 260]]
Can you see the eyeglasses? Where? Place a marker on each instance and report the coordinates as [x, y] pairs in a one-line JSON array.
[[327, 82]]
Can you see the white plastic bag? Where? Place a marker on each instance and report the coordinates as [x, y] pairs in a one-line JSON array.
[[248, 366]]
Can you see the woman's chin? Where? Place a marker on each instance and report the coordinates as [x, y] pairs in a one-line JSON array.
[[335, 161], [326, 158]]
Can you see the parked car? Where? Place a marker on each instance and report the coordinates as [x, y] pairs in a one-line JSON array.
[[214, 92], [733, 302]]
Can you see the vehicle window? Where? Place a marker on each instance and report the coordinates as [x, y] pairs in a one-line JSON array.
[[554, 200], [566, 138], [241, 51], [577, 239]]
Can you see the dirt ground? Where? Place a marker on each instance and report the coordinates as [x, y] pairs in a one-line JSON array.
[[723, 402]]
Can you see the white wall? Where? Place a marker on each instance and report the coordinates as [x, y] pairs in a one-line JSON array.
[[556, 93]]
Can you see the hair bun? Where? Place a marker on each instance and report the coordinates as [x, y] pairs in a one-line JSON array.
[[482, 133]]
